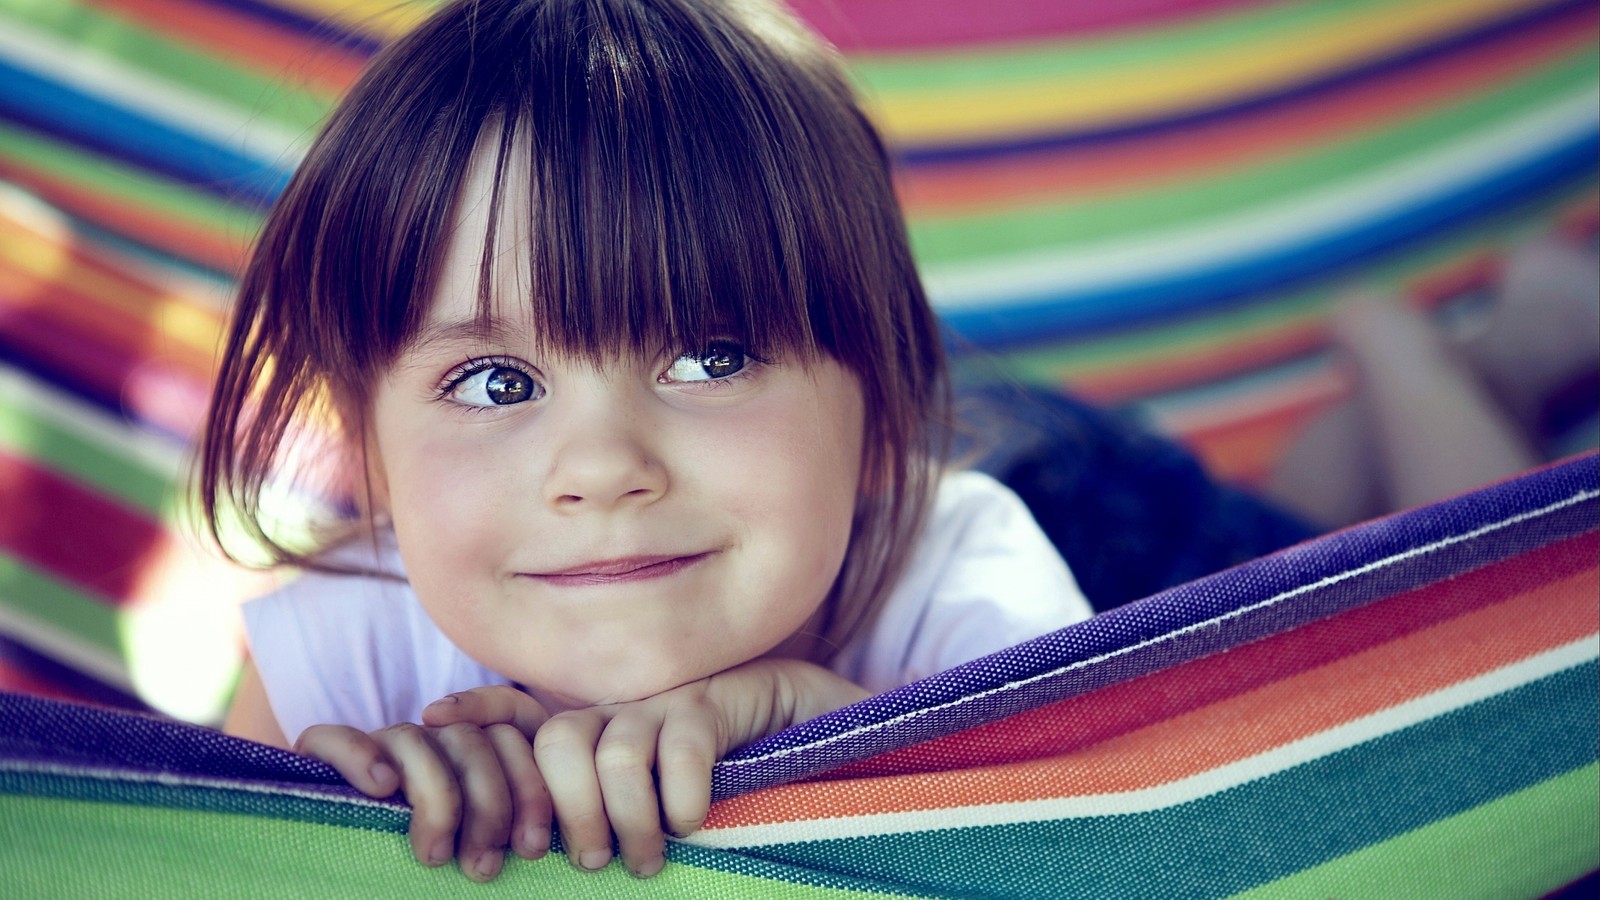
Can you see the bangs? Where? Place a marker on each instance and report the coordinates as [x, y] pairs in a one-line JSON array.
[[665, 202], [679, 183]]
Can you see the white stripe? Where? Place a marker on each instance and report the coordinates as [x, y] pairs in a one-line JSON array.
[[162, 455], [66, 648], [1008, 281], [1579, 497], [1210, 782], [157, 98]]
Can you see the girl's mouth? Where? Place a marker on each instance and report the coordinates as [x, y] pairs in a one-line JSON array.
[[618, 571]]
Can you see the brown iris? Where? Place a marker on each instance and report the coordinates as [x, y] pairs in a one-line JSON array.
[[506, 386]]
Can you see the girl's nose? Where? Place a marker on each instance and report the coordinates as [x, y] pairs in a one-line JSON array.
[[605, 461]]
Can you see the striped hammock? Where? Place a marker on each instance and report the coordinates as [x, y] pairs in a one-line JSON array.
[[1406, 708]]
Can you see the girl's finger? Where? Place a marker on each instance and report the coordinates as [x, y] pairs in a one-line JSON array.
[[530, 800], [564, 750], [430, 787], [354, 754], [685, 753], [623, 761], [485, 706], [486, 800]]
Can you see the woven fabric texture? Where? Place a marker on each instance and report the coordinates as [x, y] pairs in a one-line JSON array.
[[1405, 708]]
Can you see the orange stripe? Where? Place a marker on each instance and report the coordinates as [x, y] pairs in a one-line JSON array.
[[1293, 708], [60, 305], [1197, 363], [1243, 451], [67, 284], [164, 232], [1145, 163], [268, 48]]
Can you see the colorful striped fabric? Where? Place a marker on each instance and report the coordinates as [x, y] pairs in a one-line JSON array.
[[1149, 201], [1406, 708]]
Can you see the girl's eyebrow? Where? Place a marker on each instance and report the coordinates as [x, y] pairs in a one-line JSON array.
[[476, 331]]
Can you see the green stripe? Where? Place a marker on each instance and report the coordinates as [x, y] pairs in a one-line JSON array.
[[50, 444], [730, 873], [1109, 53], [63, 609], [130, 185], [1512, 849], [74, 848], [1060, 360], [94, 31], [956, 239], [1259, 831]]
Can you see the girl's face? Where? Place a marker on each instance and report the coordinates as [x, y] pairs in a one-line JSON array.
[[603, 533]]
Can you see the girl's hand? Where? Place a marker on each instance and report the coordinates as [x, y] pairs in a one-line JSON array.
[[633, 768], [480, 781]]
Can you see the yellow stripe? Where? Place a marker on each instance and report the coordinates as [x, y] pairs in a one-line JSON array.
[[382, 19], [30, 261], [1196, 81]]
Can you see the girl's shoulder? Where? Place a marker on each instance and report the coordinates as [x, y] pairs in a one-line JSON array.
[[350, 644], [983, 576]]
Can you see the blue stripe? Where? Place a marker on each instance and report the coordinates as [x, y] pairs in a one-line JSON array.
[[1358, 77], [1068, 315], [103, 127], [326, 31]]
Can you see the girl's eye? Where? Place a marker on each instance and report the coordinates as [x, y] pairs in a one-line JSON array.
[[717, 360], [494, 385]]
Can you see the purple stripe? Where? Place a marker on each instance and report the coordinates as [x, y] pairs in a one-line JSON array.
[[76, 736], [71, 735], [1108, 647]]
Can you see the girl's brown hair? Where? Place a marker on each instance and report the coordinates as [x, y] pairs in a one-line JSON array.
[[700, 170]]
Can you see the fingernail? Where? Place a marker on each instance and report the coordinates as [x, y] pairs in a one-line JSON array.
[[488, 864], [446, 700], [383, 774], [649, 867], [535, 841], [594, 860], [441, 852]]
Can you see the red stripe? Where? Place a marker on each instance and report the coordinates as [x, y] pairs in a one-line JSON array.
[[271, 50], [58, 526], [1079, 722], [182, 239], [1145, 163], [901, 25]]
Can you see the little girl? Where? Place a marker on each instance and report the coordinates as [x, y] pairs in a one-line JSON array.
[[613, 304]]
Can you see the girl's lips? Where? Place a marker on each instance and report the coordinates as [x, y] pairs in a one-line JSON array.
[[617, 571]]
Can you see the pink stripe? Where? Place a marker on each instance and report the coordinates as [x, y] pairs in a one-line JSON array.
[[902, 25], [59, 526]]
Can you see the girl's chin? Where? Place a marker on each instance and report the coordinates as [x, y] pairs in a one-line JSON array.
[[593, 694]]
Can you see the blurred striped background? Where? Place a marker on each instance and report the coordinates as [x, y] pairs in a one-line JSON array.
[[1150, 202]]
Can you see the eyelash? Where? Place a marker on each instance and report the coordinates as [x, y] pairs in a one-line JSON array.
[[753, 364], [471, 367]]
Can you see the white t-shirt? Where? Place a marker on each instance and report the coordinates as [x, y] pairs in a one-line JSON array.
[[360, 650]]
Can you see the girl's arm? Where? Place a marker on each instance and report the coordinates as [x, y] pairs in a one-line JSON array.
[[250, 716], [629, 768]]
